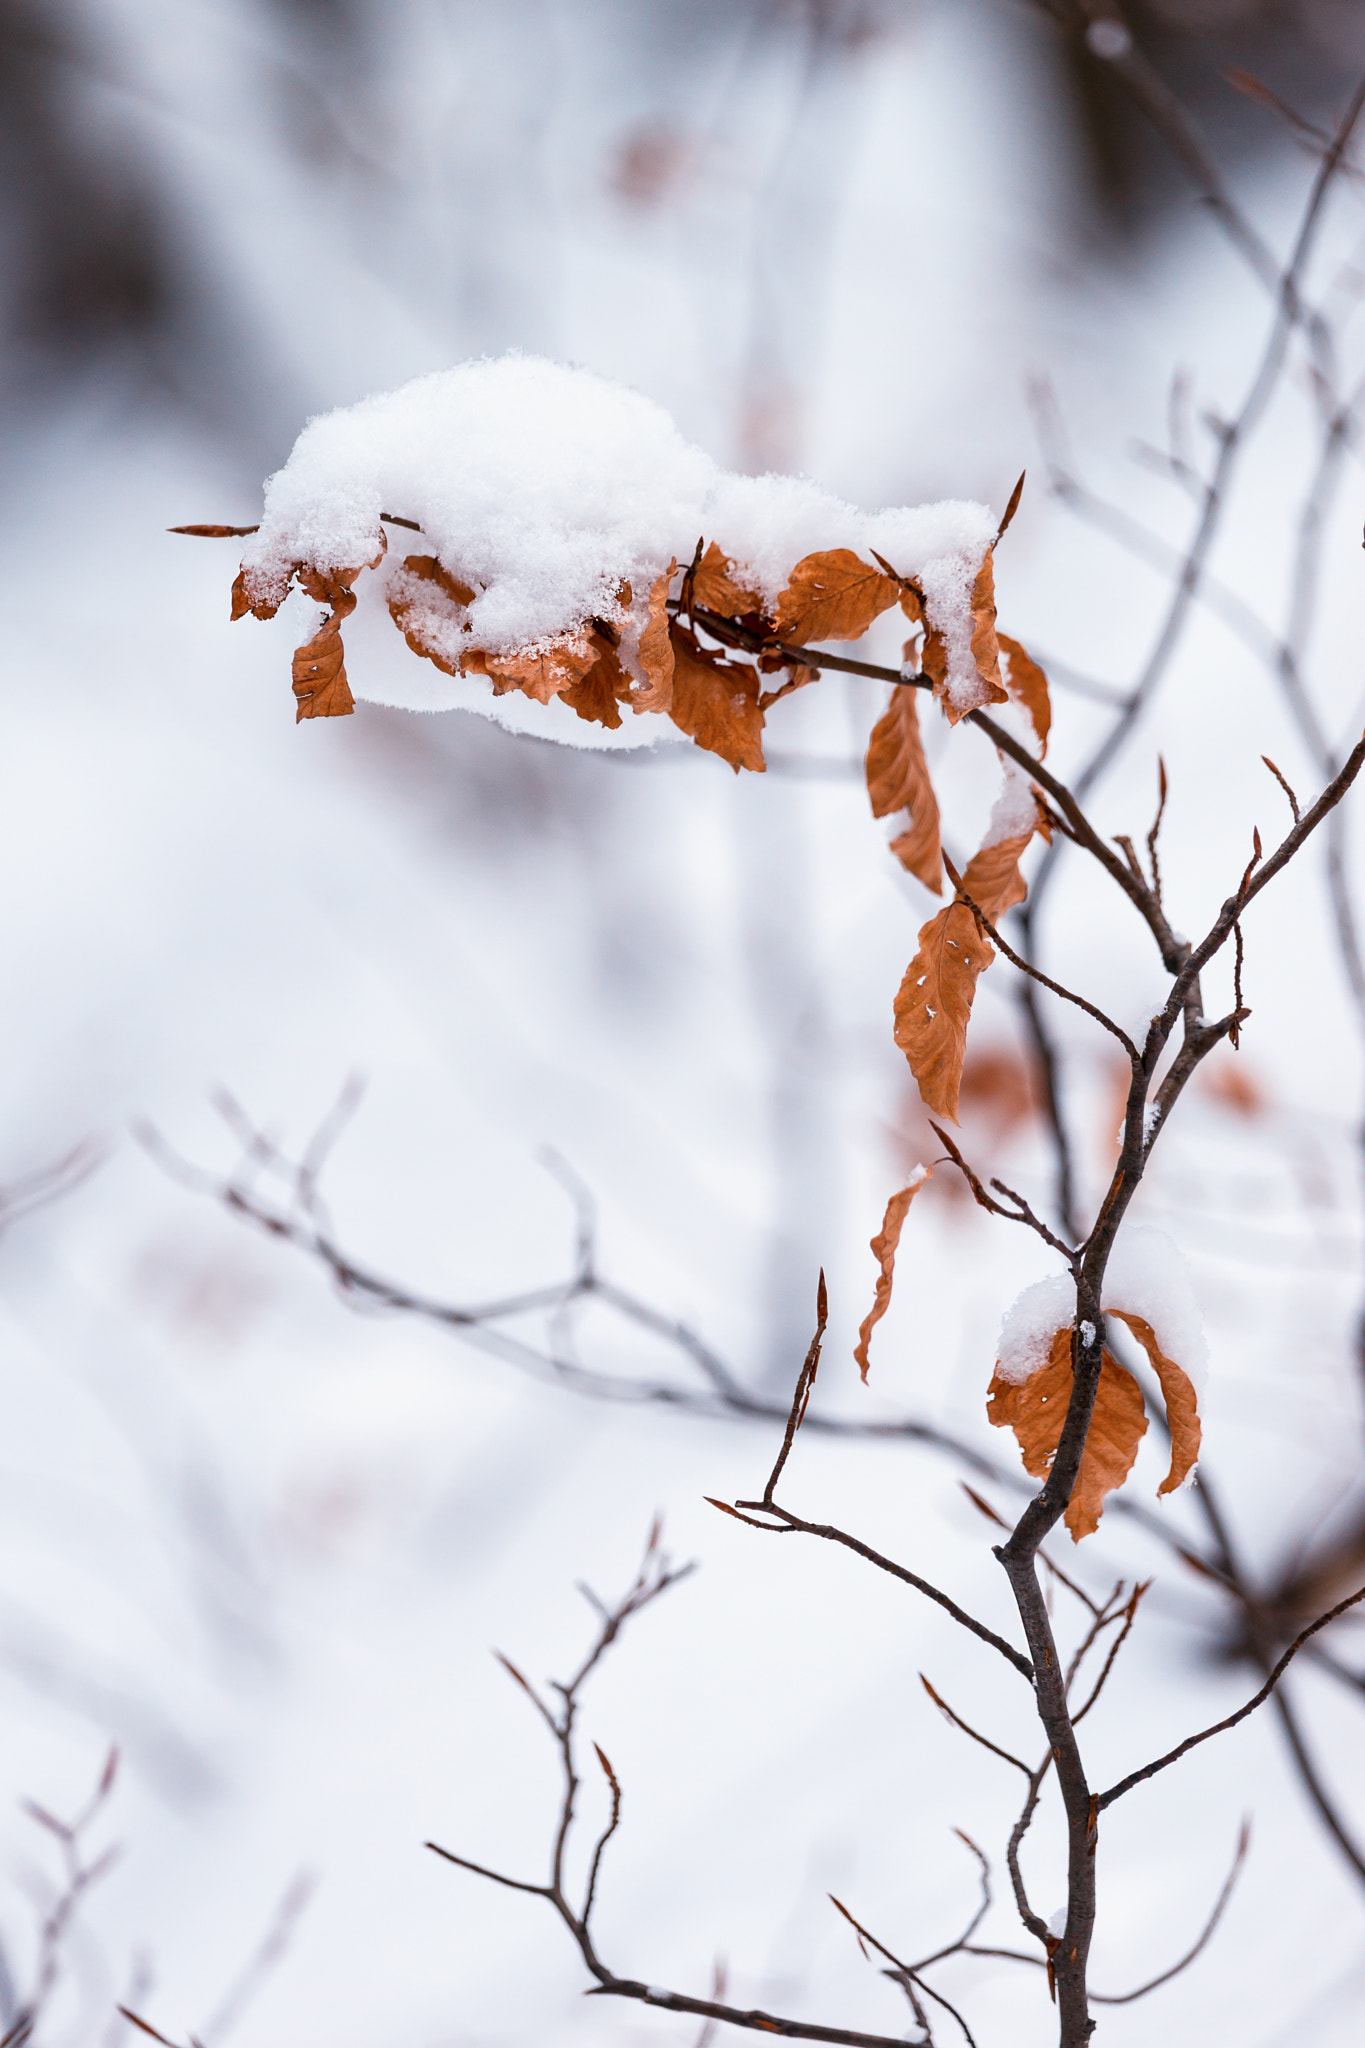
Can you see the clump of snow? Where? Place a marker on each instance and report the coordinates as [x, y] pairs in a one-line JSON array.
[[1147, 1275], [1014, 814], [545, 489], [1031, 1324]]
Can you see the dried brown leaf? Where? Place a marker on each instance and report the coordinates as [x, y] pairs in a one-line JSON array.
[[714, 587], [884, 1246], [985, 640], [797, 677], [444, 600], [1027, 685], [215, 532], [1036, 1410], [715, 702], [539, 672], [985, 647], [656, 650], [1182, 1406], [898, 779], [595, 697], [833, 596], [1013, 506], [993, 880], [320, 683], [934, 1004]]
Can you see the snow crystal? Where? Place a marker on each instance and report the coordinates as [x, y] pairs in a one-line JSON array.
[[1147, 1275], [1087, 1333], [545, 489]]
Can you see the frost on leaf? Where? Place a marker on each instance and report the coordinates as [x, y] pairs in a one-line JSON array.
[[715, 702], [934, 1004], [884, 1246], [898, 779], [833, 596], [1035, 1409], [1182, 1409]]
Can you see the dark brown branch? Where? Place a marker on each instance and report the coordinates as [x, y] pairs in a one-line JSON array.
[[1022, 1213], [1154, 1983], [805, 1381], [1129, 1617], [1036, 973], [788, 1524], [1220, 1727], [974, 1733]]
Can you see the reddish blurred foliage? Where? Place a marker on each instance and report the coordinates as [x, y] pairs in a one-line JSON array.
[[1233, 1084], [653, 161]]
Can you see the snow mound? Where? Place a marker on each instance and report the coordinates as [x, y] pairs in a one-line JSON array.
[[545, 489], [1147, 1276]]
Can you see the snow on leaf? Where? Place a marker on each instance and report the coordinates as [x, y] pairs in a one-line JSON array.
[[540, 672], [429, 607], [1035, 1409], [898, 779], [1182, 1408], [1027, 685], [884, 1246], [985, 649], [934, 1004], [715, 702], [833, 596], [716, 590]]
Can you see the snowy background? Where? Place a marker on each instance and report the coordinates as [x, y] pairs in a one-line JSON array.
[[265, 1544]]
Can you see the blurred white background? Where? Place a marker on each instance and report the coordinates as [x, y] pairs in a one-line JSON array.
[[265, 1544]]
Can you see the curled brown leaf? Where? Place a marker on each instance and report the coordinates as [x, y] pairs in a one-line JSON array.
[[898, 779], [715, 702], [1036, 1410], [884, 1247]]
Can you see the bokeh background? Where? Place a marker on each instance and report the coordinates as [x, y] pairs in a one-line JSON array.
[[265, 1544]]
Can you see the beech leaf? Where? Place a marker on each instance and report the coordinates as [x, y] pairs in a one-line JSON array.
[[1027, 685], [985, 648], [1182, 1407], [716, 590], [539, 672], [320, 683], [993, 880], [884, 1246], [438, 600], [898, 779], [1036, 1410], [595, 696], [656, 650], [833, 596], [715, 702], [934, 1004]]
